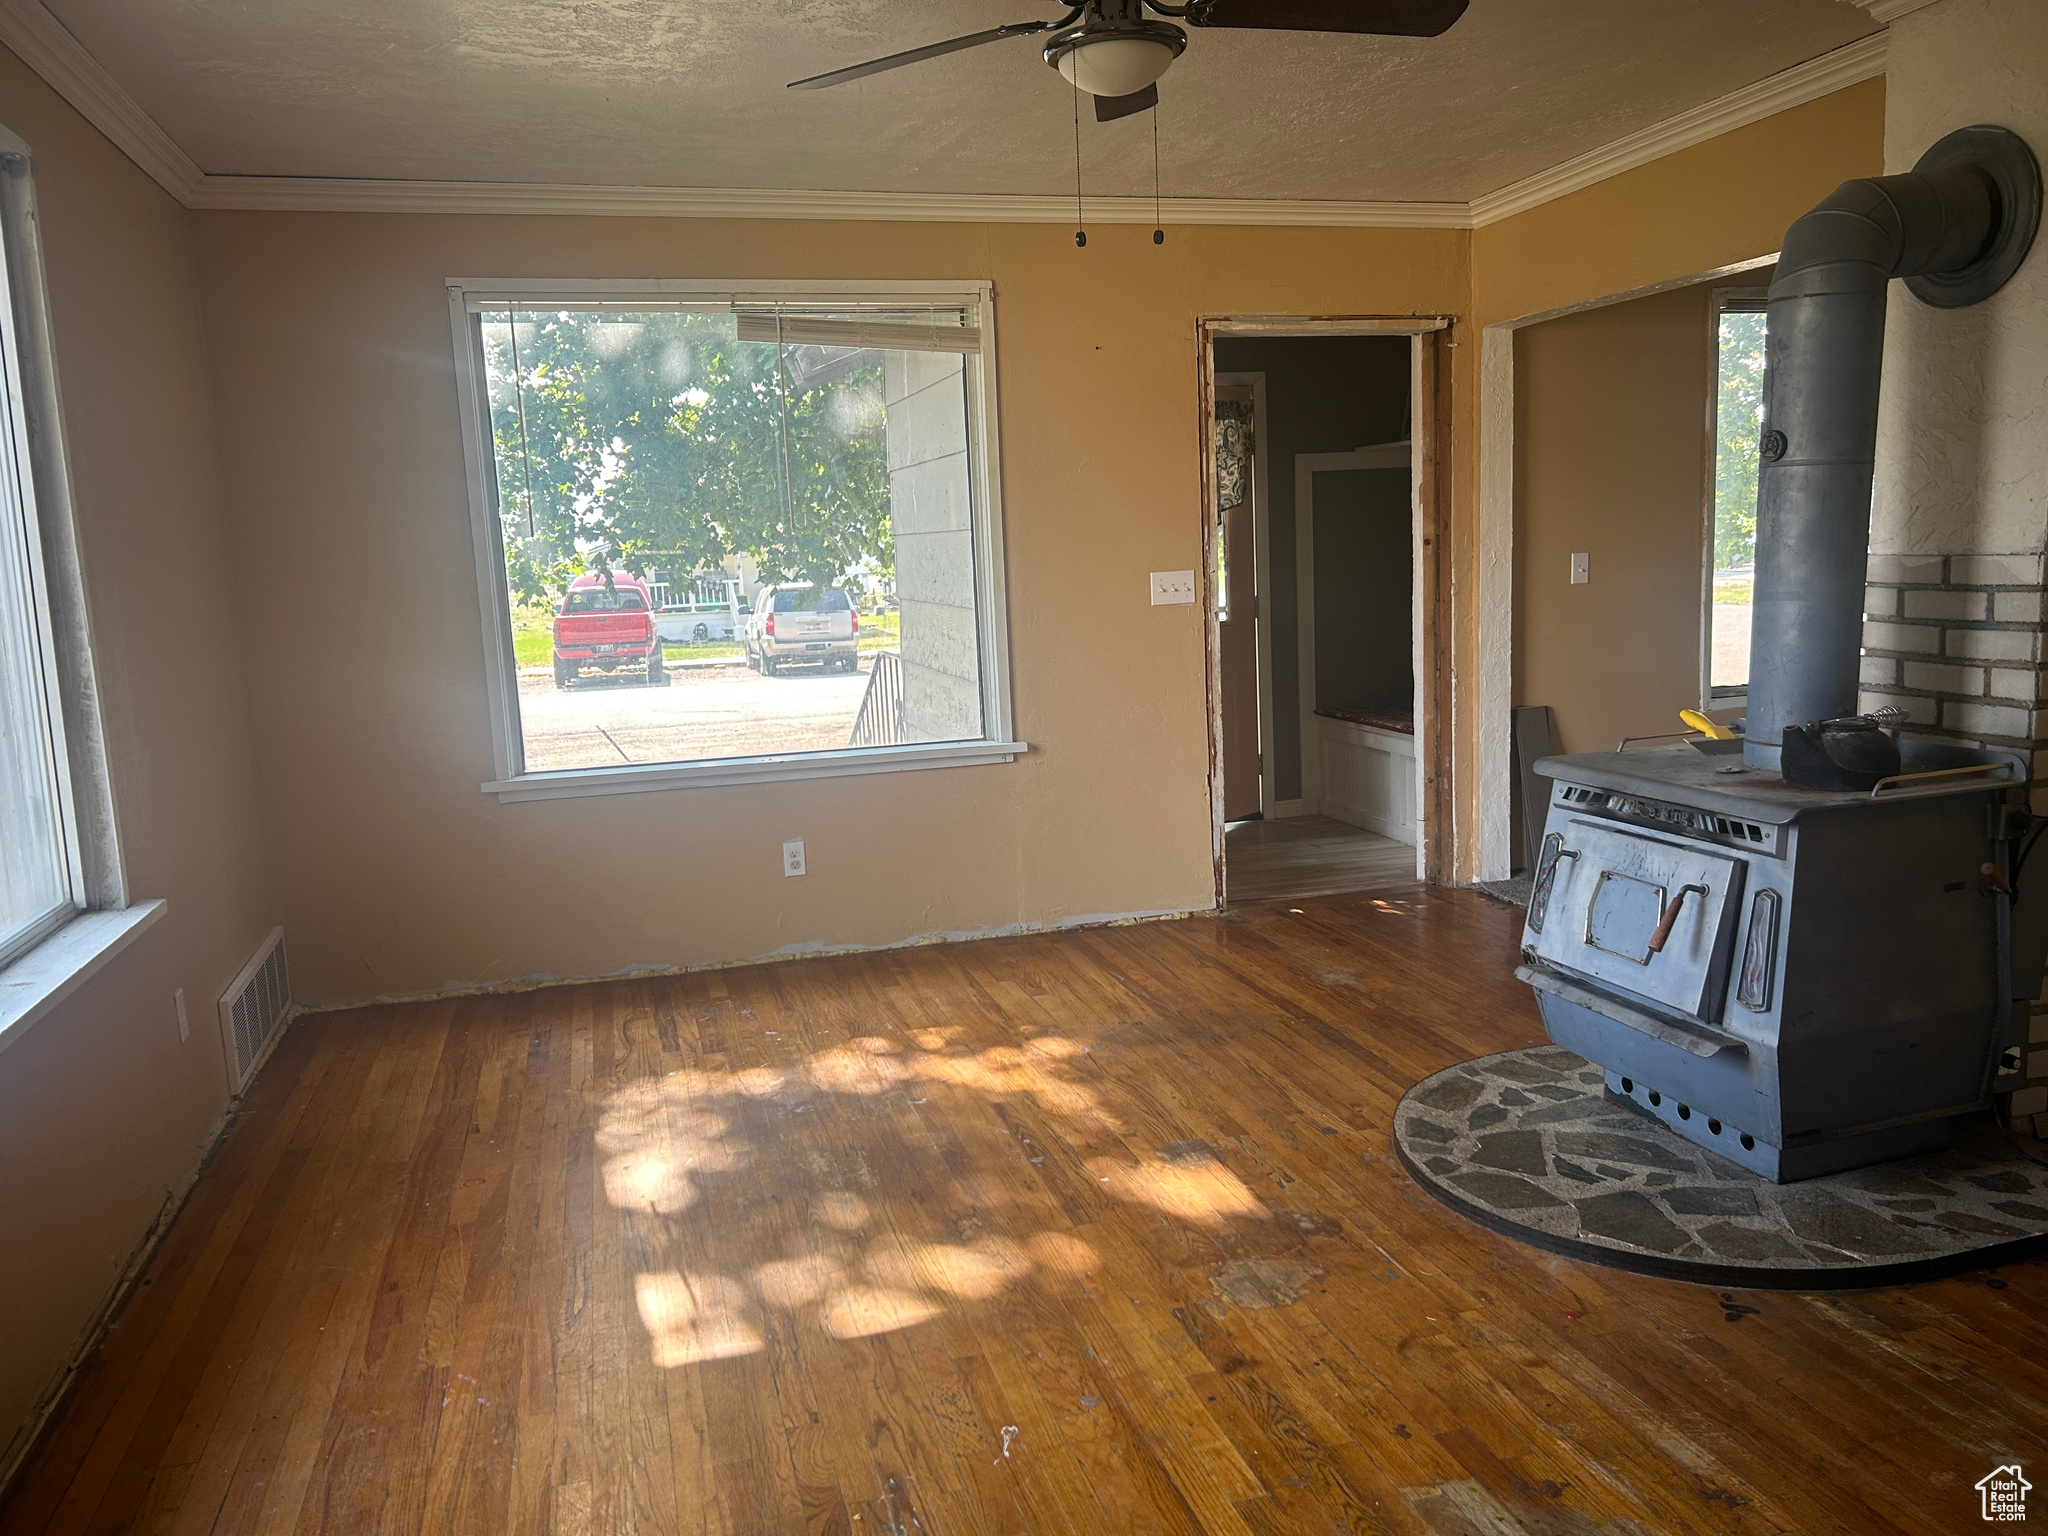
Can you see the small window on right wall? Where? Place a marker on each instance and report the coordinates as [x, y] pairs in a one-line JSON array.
[[1731, 533]]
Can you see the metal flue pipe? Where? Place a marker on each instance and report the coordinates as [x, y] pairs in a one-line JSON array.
[[1944, 223]]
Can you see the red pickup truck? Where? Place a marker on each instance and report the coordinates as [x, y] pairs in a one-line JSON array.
[[606, 625]]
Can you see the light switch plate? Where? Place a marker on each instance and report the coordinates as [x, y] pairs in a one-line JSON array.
[[1172, 587], [1582, 569], [793, 857]]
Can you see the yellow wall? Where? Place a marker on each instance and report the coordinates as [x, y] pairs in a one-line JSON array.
[[331, 349], [1717, 204], [1611, 460], [1722, 203], [102, 1110]]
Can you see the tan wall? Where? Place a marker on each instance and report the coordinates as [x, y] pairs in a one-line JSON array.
[[1716, 204], [1722, 203], [1611, 459], [330, 340], [102, 1111]]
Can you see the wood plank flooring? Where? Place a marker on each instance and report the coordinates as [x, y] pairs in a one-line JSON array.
[[1309, 856], [1096, 1232]]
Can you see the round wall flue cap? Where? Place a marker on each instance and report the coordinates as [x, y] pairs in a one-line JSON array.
[[2003, 156]]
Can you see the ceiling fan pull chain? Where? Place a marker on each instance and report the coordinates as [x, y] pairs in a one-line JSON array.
[[1080, 231], [1158, 229]]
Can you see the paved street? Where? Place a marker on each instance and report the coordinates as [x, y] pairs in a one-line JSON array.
[[721, 711]]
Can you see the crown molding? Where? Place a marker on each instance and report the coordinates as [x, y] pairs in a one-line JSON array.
[[47, 47], [318, 195], [1847, 65]]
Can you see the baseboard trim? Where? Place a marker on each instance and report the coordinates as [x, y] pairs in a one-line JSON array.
[[461, 989]]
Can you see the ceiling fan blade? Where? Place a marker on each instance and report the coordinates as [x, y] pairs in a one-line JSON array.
[[917, 55], [1385, 18], [1109, 108]]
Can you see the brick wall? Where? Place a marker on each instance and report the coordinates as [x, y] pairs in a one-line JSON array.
[[1957, 642]]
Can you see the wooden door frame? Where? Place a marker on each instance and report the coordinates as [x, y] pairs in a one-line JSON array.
[[1260, 490], [1429, 432]]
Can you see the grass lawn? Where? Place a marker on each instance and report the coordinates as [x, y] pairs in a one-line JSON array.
[[709, 652], [533, 639], [1734, 591], [533, 642]]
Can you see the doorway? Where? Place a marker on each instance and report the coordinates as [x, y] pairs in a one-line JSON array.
[[1321, 511]]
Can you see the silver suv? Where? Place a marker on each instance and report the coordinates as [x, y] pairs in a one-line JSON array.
[[798, 621]]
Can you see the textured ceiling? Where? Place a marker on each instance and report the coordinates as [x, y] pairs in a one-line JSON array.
[[690, 93]]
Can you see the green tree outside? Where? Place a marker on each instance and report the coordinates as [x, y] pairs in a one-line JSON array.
[[658, 441], [1738, 419]]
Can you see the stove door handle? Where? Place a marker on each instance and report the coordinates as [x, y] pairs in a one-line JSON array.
[[1663, 934], [1554, 851]]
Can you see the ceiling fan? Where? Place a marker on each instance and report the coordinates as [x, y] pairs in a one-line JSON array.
[[1116, 53]]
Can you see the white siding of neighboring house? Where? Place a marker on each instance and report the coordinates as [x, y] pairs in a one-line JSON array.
[[929, 502]]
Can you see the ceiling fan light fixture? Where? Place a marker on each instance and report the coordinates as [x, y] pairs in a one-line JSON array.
[[1115, 61]]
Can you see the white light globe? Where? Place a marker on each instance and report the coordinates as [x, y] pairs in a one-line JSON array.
[[1116, 66]]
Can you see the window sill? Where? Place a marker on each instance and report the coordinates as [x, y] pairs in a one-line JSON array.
[[58, 966], [574, 783]]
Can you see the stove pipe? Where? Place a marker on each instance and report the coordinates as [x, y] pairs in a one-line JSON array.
[[1956, 228]]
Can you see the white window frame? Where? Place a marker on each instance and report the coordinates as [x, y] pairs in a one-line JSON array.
[[1743, 301], [472, 298], [47, 963]]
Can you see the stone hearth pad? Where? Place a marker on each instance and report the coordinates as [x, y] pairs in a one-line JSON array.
[[1531, 1144]]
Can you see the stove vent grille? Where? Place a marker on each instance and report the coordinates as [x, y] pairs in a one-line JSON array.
[[1684, 818]]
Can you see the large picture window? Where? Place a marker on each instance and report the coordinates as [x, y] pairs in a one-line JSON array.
[[727, 535], [59, 859], [39, 887]]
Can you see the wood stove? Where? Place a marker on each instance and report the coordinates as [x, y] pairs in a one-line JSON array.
[[1806, 979], [1803, 981]]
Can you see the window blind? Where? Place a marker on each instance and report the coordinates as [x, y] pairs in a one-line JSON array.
[[889, 335]]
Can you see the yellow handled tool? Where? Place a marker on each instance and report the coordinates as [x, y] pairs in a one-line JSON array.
[[1704, 726]]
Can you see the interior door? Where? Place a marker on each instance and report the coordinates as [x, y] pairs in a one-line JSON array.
[[1237, 599]]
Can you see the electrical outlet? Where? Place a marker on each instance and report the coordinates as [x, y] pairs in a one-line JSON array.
[[1172, 587], [1582, 569], [184, 1024], [793, 857]]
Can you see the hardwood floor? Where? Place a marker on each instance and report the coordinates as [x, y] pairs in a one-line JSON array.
[[1309, 856], [1096, 1232]]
